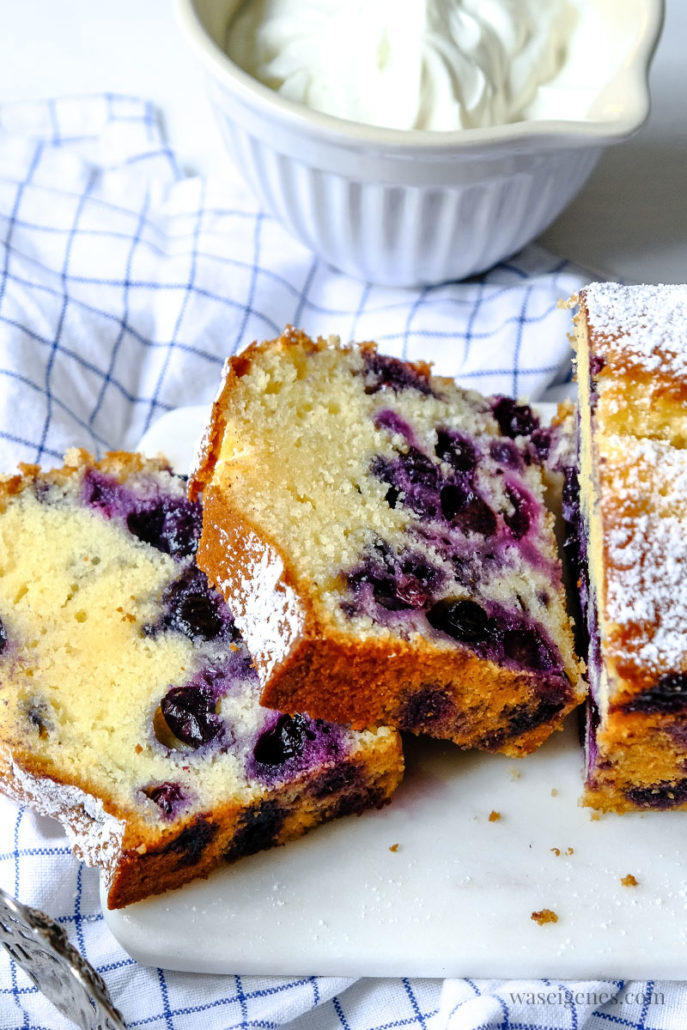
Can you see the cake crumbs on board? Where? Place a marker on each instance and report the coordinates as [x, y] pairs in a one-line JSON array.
[[544, 915]]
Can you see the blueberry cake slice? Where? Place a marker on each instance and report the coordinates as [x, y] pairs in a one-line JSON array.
[[128, 702], [632, 372], [382, 539]]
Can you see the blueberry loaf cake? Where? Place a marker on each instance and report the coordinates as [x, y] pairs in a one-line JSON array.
[[381, 536], [632, 372], [128, 702]]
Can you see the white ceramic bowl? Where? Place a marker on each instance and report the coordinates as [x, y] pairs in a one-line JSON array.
[[408, 208]]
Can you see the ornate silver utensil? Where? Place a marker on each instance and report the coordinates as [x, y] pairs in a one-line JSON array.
[[40, 946]]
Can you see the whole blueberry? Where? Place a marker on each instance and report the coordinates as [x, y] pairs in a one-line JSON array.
[[146, 525], [190, 714], [463, 506], [196, 616], [506, 453], [194, 609], [514, 419], [173, 526], [455, 449], [285, 740]]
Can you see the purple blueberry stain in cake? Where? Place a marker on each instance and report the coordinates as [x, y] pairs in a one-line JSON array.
[[259, 828], [541, 442], [288, 745], [677, 731], [170, 797], [505, 453], [463, 620], [38, 715], [462, 506], [519, 520], [106, 494], [667, 696], [662, 795], [3, 636], [456, 449], [394, 424], [192, 841], [414, 479], [170, 524], [382, 372], [527, 647], [357, 801], [524, 719], [192, 607], [514, 419], [394, 581], [497, 634], [596, 364], [425, 708], [344, 776], [173, 526]]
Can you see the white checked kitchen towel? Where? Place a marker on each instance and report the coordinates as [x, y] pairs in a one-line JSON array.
[[123, 286]]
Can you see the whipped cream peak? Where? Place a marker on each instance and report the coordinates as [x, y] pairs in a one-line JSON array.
[[421, 64]]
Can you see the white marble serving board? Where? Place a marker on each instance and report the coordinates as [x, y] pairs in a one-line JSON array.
[[456, 895]]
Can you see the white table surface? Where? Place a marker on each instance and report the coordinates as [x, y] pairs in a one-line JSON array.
[[630, 220]]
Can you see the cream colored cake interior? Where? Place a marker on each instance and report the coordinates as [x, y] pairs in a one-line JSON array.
[[295, 458], [90, 673]]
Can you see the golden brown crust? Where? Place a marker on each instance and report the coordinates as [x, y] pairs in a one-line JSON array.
[[139, 863]]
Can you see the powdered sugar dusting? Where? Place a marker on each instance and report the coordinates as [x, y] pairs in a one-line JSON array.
[[644, 505], [645, 327], [94, 834]]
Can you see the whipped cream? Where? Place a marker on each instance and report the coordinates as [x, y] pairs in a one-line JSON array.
[[405, 64]]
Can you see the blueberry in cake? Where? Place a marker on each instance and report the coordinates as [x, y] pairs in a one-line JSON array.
[[632, 540], [128, 702], [382, 539]]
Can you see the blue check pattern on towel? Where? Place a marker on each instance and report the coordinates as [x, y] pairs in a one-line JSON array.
[[123, 286]]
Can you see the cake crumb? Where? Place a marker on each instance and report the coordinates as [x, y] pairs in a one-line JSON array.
[[394, 847], [545, 915], [556, 851], [570, 851], [630, 881], [595, 817], [494, 816], [514, 773], [554, 792]]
